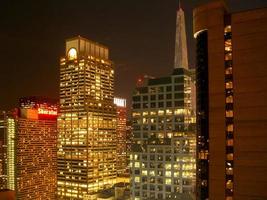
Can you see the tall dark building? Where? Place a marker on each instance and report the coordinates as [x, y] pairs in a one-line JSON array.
[[231, 79]]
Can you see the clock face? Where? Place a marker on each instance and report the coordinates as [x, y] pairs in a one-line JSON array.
[[72, 54]]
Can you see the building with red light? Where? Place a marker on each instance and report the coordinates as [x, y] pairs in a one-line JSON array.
[[121, 135], [31, 150]]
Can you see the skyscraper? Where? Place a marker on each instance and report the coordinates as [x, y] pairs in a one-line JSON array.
[[3, 152], [87, 120], [31, 149], [163, 151], [231, 84], [121, 136]]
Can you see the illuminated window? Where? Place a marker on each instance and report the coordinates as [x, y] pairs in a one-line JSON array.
[[228, 48], [168, 112], [137, 179], [228, 56], [227, 29], [72, 54], [229, 184], [229, 85], [229, 171], [229, 99], [230, 142], [161, 112], [168, 173], [179, 111], [230, 156], [137, 164], [168, 181], [229, 70], [153, 113], [176, 166], [229, 113], [136, 114], [145, 120], [230, 127], [152, 173], [176, 173], [145, 113], [144, 172]]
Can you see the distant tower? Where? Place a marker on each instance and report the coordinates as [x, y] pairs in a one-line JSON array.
[[180, 58], [121, 135]]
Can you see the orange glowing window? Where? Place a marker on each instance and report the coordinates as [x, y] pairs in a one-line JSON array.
[[230, 127], [229, 85], [229, 171], [229, 184], [230, 156], [229, 113], [230, 142], [229, 99]]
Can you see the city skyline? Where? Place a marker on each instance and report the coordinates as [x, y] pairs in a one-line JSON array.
[[133, 100], [38, 30]]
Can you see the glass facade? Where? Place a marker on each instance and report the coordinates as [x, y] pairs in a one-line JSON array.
[[162, 162]]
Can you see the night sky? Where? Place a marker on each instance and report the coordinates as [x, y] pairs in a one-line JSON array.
[[139, 33]]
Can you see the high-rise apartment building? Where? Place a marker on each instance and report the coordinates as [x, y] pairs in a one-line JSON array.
[[87, 121], [3, 175], [31, 150], [231, 77], [164, 144], [121, 136]]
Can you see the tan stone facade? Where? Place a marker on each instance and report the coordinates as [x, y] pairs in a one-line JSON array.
[[249, 74]]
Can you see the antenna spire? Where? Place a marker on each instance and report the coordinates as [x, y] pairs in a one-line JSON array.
[[181, 58], [179, 5]]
